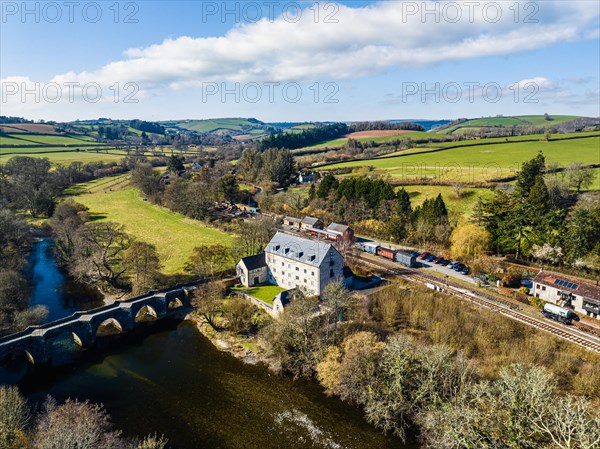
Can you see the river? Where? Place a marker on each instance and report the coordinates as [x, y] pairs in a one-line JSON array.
[[52, 288], [167, 378]]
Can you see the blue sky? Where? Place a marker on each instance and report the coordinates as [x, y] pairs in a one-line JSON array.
[[335, 61]]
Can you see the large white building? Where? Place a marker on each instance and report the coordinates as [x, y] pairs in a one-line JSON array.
[[291, 261], [565, 291]]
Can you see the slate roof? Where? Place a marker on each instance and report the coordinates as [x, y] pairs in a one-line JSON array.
[[293, 247], [311, 221], [254, 262], [583, 288], [336, 227], [292, 219]]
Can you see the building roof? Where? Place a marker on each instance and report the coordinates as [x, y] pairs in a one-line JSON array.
[[292, 219], [311, 221], [336, 227], [571, 284], [300, 249], [254, 262]]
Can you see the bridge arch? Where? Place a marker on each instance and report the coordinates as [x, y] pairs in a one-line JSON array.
[[146, 313], [16, 356], [174, 303], [109, 326]]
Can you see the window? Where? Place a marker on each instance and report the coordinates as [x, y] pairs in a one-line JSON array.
[[297, 278], [312, 272], [537, 286], [331, 263], [297, 268], [305, 271], [305, 281], [282, 264], [543, 288], [330, 273], [283, 273]]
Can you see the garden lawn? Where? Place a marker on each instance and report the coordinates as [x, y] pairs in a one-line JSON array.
[[174, 235], [265, 293]]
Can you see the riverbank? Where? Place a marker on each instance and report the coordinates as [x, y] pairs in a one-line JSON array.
[[241, 347]]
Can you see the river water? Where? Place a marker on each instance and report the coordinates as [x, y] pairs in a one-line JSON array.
[[52, 288], [167, 378]]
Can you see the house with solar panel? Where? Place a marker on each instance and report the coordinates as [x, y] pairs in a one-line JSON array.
[[294, 262], [577, 294]]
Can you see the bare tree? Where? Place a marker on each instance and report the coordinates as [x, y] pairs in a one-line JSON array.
[[14, 417]]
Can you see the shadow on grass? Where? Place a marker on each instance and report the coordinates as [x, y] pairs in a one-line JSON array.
[[94, 216]]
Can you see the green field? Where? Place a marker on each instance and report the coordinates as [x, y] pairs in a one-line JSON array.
[[174, 235], [58, 155], [338, 143], [206, 126], [519, 120], [460, 209], [32, 139], [480, 163]]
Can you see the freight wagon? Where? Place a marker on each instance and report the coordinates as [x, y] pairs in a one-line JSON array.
[[559, 314], [402, 257]]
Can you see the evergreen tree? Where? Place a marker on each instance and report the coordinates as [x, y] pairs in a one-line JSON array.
[[530, 170]]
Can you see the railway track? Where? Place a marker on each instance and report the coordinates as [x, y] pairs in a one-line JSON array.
[[490, 302]]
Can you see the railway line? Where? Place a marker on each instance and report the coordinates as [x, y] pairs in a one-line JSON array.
[[490, 302]]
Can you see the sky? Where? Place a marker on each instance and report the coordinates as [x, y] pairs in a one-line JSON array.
[[298, 61]]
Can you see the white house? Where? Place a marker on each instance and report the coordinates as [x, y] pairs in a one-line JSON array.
[[252, 270], [291, 261], [556, 288]]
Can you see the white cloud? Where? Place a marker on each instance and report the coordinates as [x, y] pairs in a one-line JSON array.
[[364, 41]]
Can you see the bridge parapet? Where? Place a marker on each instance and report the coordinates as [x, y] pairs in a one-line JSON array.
[[36, 341]]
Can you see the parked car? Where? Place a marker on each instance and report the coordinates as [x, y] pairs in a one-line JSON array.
[[437, 259], [458, 267], [415, 254], [465, 270], [451, 265], [445, 263], [430, 258], [424, 255]]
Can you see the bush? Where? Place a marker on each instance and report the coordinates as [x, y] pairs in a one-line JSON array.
[[524, 290], [512, 278]]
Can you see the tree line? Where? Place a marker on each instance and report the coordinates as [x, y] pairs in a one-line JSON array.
[[381, 125], [70, 425], [543, 217], [306, 137]]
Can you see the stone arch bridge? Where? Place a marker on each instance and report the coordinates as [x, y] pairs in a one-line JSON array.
[[36, 342]]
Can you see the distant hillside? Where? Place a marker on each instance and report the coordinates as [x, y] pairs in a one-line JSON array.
[[520, 123], [231, 126]]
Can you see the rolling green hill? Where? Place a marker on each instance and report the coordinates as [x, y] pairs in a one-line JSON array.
[[228, 125], [506, 122]]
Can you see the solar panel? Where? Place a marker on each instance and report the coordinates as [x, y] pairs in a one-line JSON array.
[[564, 283]]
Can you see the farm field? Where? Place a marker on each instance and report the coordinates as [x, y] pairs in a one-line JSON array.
[[59, 155], [32, 139], [481, 163], [398, 134], [233, 124], [175, 236], [521, 120]]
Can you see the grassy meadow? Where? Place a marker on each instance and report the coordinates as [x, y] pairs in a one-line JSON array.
[[521, 120], [460, 209], [175, 236]]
